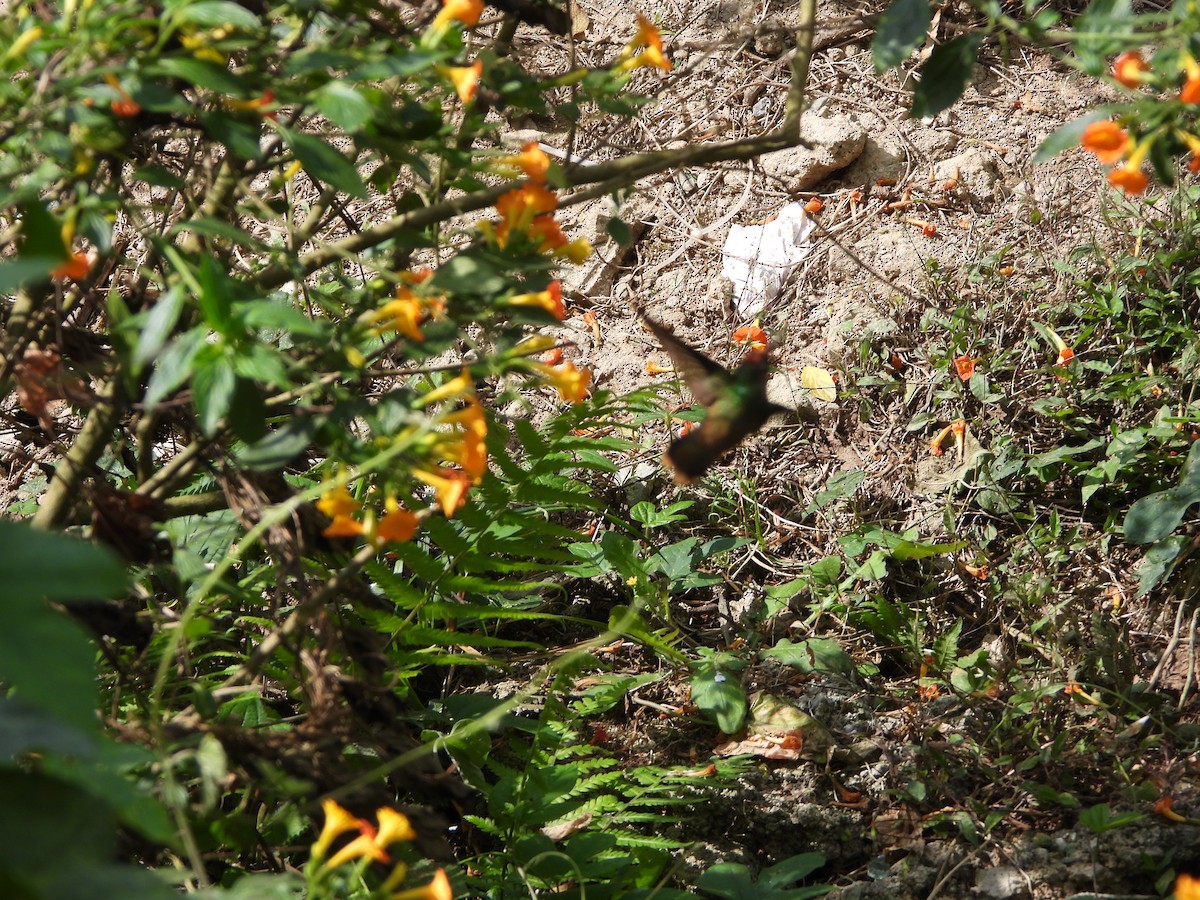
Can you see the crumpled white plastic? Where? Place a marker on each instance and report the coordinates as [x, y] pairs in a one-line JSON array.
[[759, 259]]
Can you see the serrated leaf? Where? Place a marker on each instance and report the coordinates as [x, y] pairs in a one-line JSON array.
[[902, 28], [945, 75], [819, 383], [323, 163]]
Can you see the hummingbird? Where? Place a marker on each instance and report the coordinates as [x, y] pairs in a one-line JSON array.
[[736, 403]]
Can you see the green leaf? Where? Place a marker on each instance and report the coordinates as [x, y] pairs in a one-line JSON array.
[[48, 662], [216, 296], [323, 163], [16, 272], [174, 366], [218, 228], [721, 697], [1101, 31], [239, 135], [199, 72], [945, 75], [1160, 561], [213, 13], [812, 656], [343, 105], [214, 383], [1154, 517], [80, 570], [41, 234], [281, 446], [902, 28], [470, 273]]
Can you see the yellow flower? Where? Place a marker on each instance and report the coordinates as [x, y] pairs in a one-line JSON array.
[[393, 827], [199, 45], [362, 846], [570, 382], [438, 889], [468, 449], [650, 58], [336, 502], [451, 486], [645, 49], [576, 251], [453, 389], [337, 822], [401, 314], [465, 11], [343, 526], [550, 300], [465, 79]]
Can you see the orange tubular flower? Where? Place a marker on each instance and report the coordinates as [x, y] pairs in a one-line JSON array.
[[532, 160], [570, 382], [965, 367], [1132, 181], [645, 50], [362, 846], [1190, 92], [958, 429], [337, 822], [1107, 140], [74, 269], [465, 79], [750, 334], [399, 525], [468, 449], [520, 207], [550, 300], [438, 889], [403, 314], [1187, 887], [1129, 67], [1163, 806], [1129, 176], [451, 486], [465, 11]]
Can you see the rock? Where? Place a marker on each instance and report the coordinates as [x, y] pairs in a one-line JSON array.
[[834, 143], [1002, 883], [975, 171]]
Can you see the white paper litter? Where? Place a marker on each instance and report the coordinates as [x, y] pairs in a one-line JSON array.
[[759, 259]]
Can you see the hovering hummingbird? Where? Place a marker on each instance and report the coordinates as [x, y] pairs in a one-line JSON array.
[[736, 401]]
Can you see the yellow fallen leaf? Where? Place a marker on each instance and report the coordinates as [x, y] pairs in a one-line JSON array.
[[819, 383]]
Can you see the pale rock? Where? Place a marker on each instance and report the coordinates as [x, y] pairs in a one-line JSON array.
[[834, 143]]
